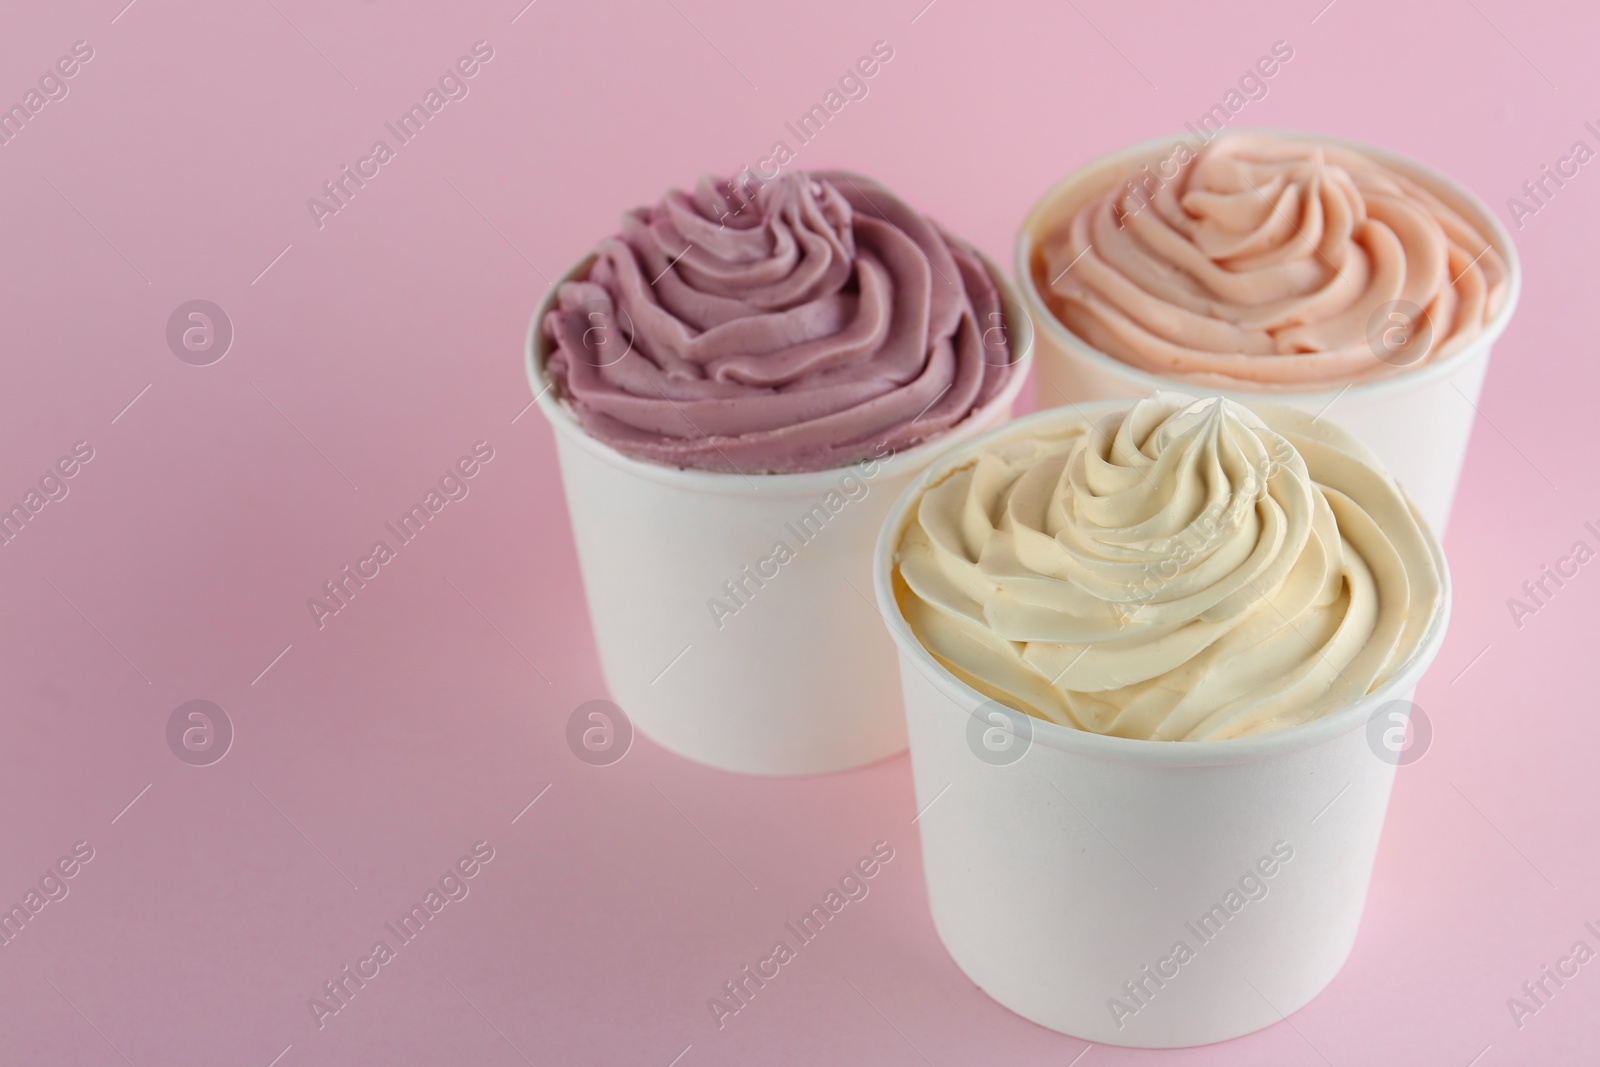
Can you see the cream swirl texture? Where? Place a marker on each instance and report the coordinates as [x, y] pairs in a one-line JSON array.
[[1280, 264], [1186, 570], [800, 328]]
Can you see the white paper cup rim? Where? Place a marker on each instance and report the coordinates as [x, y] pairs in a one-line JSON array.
[[1447, 189], [1019, 331], [1129, 749]]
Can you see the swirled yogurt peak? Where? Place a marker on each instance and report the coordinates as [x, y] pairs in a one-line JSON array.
[[1185, 570], [797, 326], [1275, 263]]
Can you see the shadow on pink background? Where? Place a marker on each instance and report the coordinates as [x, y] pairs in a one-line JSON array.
[[372, 351]]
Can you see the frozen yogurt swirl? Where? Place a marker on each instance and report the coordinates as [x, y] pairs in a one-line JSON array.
[[1187, 570], [1280, 264], [800, 328]]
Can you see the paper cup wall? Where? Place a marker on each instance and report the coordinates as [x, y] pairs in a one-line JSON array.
[[1418, 422], [1064, 867], [799, 676]]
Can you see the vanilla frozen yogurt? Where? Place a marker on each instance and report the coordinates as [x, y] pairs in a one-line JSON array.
[[1186, 570]]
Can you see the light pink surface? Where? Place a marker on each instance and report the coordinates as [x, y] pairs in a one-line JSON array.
[[427, 714]]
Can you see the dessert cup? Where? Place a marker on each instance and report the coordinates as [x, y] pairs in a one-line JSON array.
[[799, 678], [1418, 421], [1063, 866]]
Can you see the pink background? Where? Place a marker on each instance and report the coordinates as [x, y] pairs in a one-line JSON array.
[[429, 713]]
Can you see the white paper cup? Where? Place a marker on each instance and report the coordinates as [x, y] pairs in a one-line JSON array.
[[801, 678], [1060, 863], [1418, 422]]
